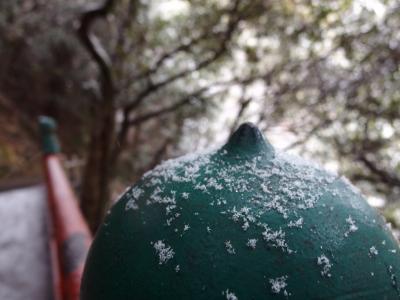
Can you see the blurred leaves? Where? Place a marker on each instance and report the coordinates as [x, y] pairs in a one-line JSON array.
[[327, 70]]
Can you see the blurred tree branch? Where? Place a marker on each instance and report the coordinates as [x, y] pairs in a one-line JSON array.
[[384, 174], [91, 41], [98, 169]]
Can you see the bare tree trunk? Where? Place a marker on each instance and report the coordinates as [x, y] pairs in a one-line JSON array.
[[95, 194]]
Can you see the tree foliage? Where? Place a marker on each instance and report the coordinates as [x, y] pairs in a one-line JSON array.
[[130, 78]]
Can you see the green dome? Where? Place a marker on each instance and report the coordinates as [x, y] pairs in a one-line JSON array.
[[242, 222]]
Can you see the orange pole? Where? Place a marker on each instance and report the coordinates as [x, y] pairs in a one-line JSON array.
[[71, 234]]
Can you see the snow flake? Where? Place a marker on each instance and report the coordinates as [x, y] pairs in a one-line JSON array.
[[229, 247], [131, 204], [229, 295], [245, 225], [279, 284], [243, 215], [392, 276], [276, 238], [133, 195], [352, 226], [326, 265], [165, 253], [251, 243], [169, 209], [373, 251], [298, 223]]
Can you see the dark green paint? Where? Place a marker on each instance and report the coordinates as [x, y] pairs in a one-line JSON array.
[[123, 264], [48, 128]]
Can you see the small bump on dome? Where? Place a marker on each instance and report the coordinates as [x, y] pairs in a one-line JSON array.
[[249, 139]]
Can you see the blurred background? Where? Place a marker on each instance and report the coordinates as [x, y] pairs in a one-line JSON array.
[[132, 83]]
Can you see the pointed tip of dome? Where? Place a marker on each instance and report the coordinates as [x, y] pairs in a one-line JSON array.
[[249, 139]]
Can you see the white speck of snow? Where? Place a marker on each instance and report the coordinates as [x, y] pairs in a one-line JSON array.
[[133, 195], [278, 204], [251, 243], [169, 209], [279, 284], [185, 195], [393, 250], [243, 215], [352, 226], [373, 250], [326, 265], [208, 229], [165, 253], [186, 227], [229, 295], [191, 162], [229, 247], [131, 205], [265, 188], [183, 169], [177, 268], [245, 226], [276, 239], [392, 276], [169, 221], [298, 223], [212, 183], [372, 274]]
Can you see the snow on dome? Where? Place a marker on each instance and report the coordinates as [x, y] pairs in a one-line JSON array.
[[326, 265], [229, 247], [165, 253], [352, 226], [373, 250], [231, 207], [133, 195], [251, 243], [287, 185], [279, 284], [229, 295]]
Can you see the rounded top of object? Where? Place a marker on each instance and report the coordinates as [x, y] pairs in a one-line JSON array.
[[248, 140], [48, 128], [244, 221]]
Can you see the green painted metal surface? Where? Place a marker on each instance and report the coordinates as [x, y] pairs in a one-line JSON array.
[[48, 129], [243, 222]]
